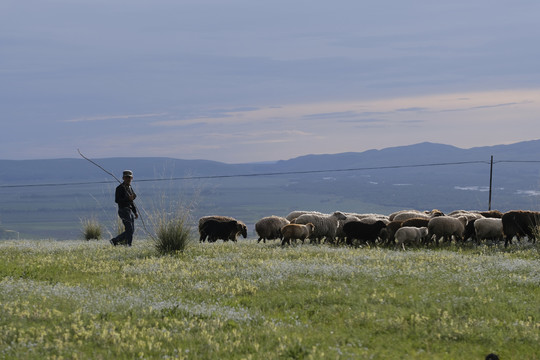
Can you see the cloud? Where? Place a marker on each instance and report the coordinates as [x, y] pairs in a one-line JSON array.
[[115, 117]]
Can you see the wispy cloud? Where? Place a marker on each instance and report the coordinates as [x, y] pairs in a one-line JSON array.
[[115, 117]]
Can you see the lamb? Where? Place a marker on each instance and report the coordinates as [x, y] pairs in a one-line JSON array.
[[519, 223], [296, 231], [410, 234], [488, 228], [325, 225], [446, 226], [363, 231], [225, 230], [269, 228]]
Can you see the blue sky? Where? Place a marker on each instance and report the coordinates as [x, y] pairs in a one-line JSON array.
[[240, 81]]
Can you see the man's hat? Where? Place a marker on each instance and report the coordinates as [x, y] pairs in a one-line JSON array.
[[128, 173]]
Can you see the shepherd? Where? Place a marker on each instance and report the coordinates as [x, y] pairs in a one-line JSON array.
[[124, 197]]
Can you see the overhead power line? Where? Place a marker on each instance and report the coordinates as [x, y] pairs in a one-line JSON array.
[[277, 173]]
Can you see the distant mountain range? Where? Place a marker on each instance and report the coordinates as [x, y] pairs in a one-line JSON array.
[[420, 176]]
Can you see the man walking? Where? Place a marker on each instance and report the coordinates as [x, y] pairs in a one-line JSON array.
[[124, 196]]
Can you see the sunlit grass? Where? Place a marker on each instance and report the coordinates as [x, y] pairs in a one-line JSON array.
[[86, 300]]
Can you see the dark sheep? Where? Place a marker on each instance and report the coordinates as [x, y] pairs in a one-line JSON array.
[[224, 230], [491, 214], [470, 231], [204, 219], [387, 233], [363, 231], [520, 223], [416, 222]]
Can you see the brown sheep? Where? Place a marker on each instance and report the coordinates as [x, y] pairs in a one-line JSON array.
[[296, 231]]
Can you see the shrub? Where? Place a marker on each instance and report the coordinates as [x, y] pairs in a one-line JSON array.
[[91, 229], [173, 233]]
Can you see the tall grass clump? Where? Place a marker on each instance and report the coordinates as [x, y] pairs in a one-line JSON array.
[[173, 234], [91, 229]]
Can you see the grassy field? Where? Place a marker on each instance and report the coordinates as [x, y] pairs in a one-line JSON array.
[[89, 300]]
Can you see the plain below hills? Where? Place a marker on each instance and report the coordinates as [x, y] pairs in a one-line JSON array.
[[49, 198]]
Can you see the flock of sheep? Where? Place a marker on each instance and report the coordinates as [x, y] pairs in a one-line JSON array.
[[411, 227]]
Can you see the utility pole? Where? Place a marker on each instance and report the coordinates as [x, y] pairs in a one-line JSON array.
[[490, 182]]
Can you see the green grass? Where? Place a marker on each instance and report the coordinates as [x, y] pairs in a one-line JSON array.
[[88, 300]]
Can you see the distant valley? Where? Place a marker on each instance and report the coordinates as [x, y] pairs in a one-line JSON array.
[[49, 198]]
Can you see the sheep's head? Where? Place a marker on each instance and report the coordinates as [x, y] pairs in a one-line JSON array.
[[339, 215], [310, 227], [241, 229]]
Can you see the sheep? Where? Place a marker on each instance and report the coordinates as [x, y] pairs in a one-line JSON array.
[[296, 213], [296, 231], [325, 225], [387, 233], [488, 228], [470, 215], [410, 234], [225, 230], [491, 214], [270, 227], [416, 222], [340, 234], [204, 219], [376, 217], [519, 223], [470, 232], [363, 231], [446, 226], [405, 215]]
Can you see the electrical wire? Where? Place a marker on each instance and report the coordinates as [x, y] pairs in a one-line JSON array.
[[277, 173]]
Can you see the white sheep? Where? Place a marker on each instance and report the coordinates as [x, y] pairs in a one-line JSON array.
[[488, 228], [405, 215], [296, 213], [296, 231], [392, 216], [446, 226], [410, 234], [269, 228], [325, 225], [470, 215]]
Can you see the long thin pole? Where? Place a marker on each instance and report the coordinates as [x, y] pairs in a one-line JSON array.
[[490, 182], [110, 173], [99, 166]]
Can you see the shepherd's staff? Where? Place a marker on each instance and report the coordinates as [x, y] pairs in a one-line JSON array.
[[110, 173]]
